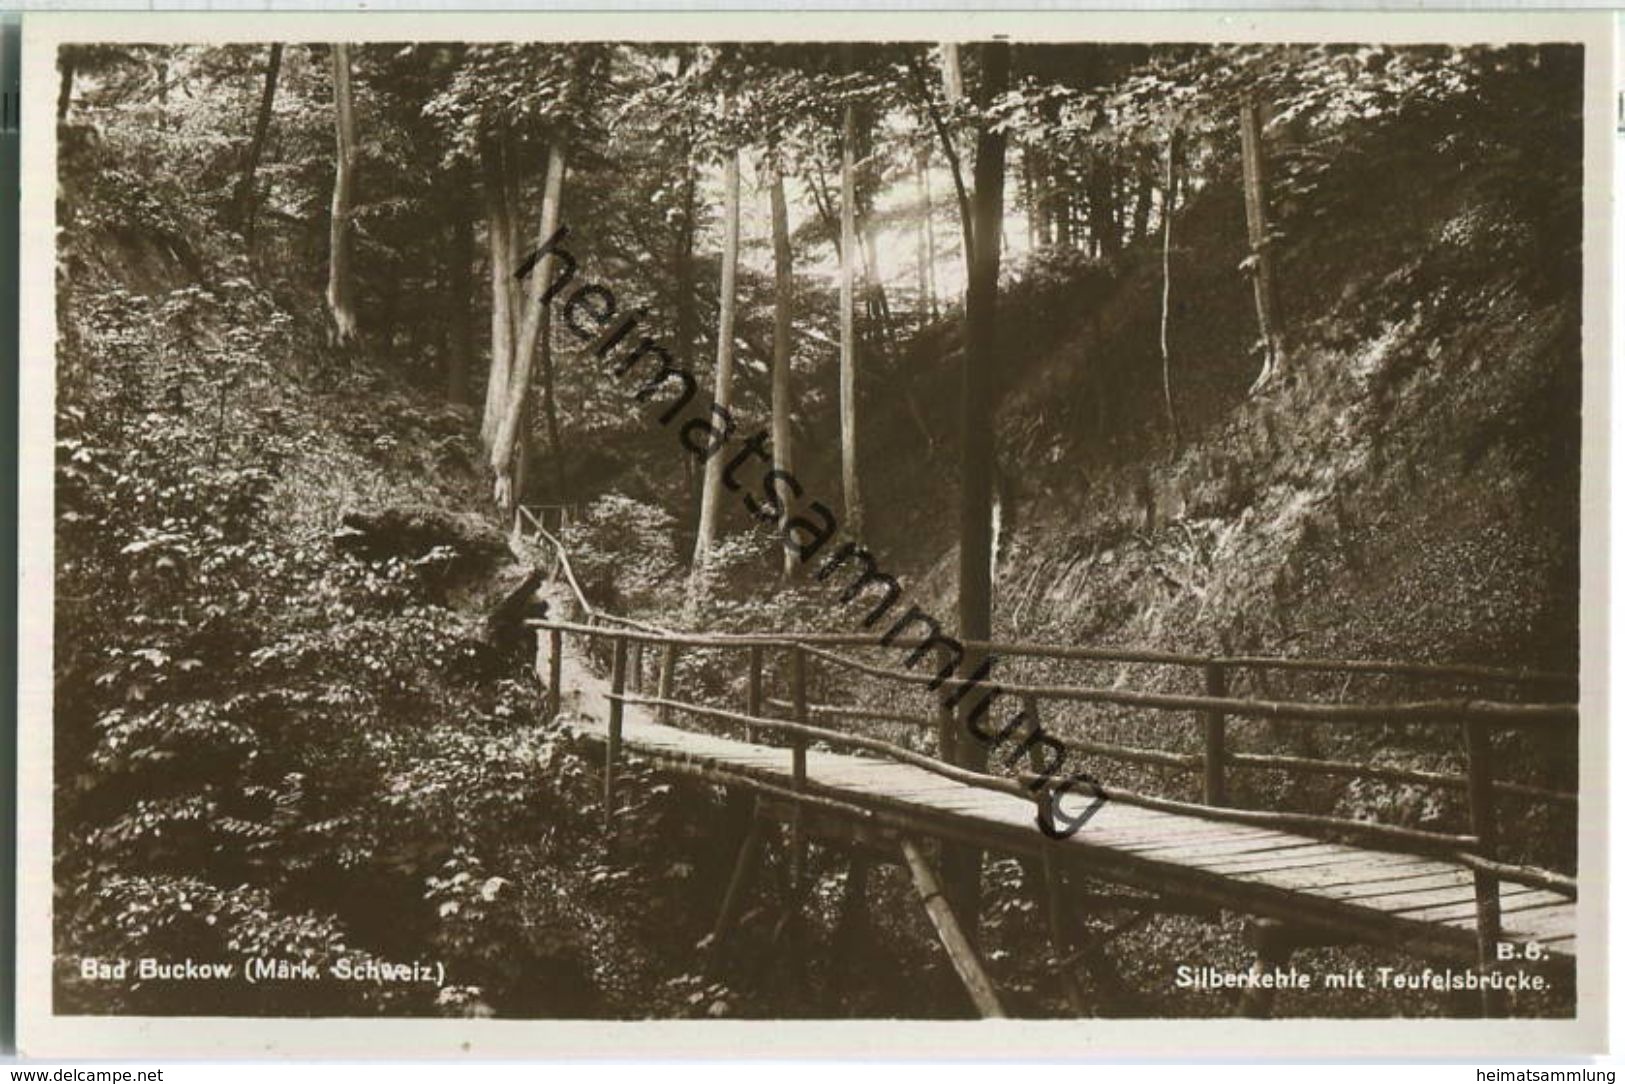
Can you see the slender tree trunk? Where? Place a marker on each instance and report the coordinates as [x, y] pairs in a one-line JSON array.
[[243, 202], [685, 304], [953, 89], [722, 396], [931, 244], [530, 327], [499, 242], [1063, 218], [1103, 207], [340, 276], [1038, 164], [850, 486], [64, 88], [953, 78], [550, 410], [1029, 196], [1167, 281], [783, 316], [163, 94], [879, 307], [1119, 204], [1142, 205], [1255, 181], [521, 460], [979, 392], [924, 243]]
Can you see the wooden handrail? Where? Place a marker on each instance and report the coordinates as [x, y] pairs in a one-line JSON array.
[[1426, 711], [1442, 671], [1502, 712], [569, 573], [1476, 851], [1529, 876], [1194, 761]]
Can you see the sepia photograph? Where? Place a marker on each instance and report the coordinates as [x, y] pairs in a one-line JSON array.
[[836, 527]]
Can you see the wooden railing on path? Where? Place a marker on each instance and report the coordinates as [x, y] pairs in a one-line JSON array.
[[1475, 715], [1479, 718]]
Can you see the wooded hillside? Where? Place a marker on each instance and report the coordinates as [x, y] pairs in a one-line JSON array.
[[1244, 349]]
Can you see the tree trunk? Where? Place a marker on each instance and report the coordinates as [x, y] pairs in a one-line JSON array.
[[499, 242], [1043, 195], [530, 326], [1255, 181], [243, 201], [64, 88], [1029, 196], [931, 246], [687, 317], [1142, 205], [953, 78], [783, 316], [925, 246], [953, 89], [878, 306], [340, 276], [550, 410], [977, 402], [1103, 207], [1167, 287], [850, 486], [722, 396], [521, 461], [163, 93]]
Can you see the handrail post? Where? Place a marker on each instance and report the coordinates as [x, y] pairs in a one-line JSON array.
[[555, 670], [1486, 886], [612, 746], [1213, 781], [668, 673], [947, 724], [798, 761], [635, 673], [753, 690]]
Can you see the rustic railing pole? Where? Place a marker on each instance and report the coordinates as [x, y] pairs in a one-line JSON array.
[[960, 948], [1486, 886], [753, 690], [1213, 781], [668, 672], [635, 667], [612, 746], [798, 761], [733, 898], [947, 724], [555, 671]]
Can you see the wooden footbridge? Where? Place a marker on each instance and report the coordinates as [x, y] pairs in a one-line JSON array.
[[1302, 879]]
